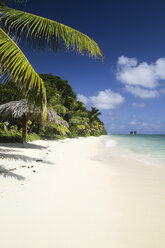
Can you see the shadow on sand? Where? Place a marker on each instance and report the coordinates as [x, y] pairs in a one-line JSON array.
[[7, 173], [17, 157], [6, 154], [23, 158], [9, 151], [20, 145]]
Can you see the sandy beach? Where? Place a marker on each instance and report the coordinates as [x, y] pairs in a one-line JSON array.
[[76, 193]]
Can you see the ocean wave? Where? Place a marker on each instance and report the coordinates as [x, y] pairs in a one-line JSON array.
[[111, 143]]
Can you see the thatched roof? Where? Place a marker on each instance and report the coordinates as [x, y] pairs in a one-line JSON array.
[[15, 110], [53, 117]]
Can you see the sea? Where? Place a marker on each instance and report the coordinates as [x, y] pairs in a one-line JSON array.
[[146, 148]]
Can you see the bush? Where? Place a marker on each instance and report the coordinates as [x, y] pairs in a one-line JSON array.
[[9, 135], [33, 137], [12, 134]]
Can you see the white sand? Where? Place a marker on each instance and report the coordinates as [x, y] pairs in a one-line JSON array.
[[79, 196]]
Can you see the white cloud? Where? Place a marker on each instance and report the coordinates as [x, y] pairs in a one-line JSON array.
[[142, 92], [106, 99], [133, 122], [125, 61], [141, 79], [144, 124], [138, 105], [82, 98], [159, 68], [143, 74]]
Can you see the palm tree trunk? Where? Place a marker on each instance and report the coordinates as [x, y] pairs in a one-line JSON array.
[[51, 133], [24, 129]]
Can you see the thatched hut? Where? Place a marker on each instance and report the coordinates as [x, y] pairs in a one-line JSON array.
[[22, 111], [53, 117]]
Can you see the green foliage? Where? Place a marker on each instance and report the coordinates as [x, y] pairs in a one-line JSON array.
[[55, 86], [12, 134], [15, 65], [62, 99], [33, 137], [57, 129], [82, 122], [9, 92], [60, 109], [59, 137]]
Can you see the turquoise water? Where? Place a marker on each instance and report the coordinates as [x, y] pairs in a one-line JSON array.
[[148, 148]]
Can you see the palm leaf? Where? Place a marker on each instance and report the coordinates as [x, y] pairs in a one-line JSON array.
[[42, 33], [60, 109], [15, 65]]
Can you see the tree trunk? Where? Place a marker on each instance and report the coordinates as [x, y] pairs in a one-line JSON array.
[[51, 133], [24, 129], [38, 128]]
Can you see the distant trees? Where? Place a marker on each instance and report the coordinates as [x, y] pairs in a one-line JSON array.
[[62, 99], [133, 132], [9, 92]]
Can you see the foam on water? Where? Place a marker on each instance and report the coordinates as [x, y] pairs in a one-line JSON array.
[[111, 143]]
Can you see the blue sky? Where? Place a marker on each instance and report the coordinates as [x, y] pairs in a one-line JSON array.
[[129, 88]]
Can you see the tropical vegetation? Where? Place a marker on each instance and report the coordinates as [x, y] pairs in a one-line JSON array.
[[62, 99]]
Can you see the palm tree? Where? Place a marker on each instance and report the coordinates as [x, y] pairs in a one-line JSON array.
[[18, 27], [93, 114]]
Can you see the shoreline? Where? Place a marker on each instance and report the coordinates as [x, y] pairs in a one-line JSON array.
[[80, 195], [116, 145]]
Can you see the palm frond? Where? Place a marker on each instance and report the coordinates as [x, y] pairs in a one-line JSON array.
[[42, 33], [15, 65], [2, 2], [60, 109]]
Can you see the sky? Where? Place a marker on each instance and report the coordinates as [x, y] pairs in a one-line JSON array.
[[129, 87]]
